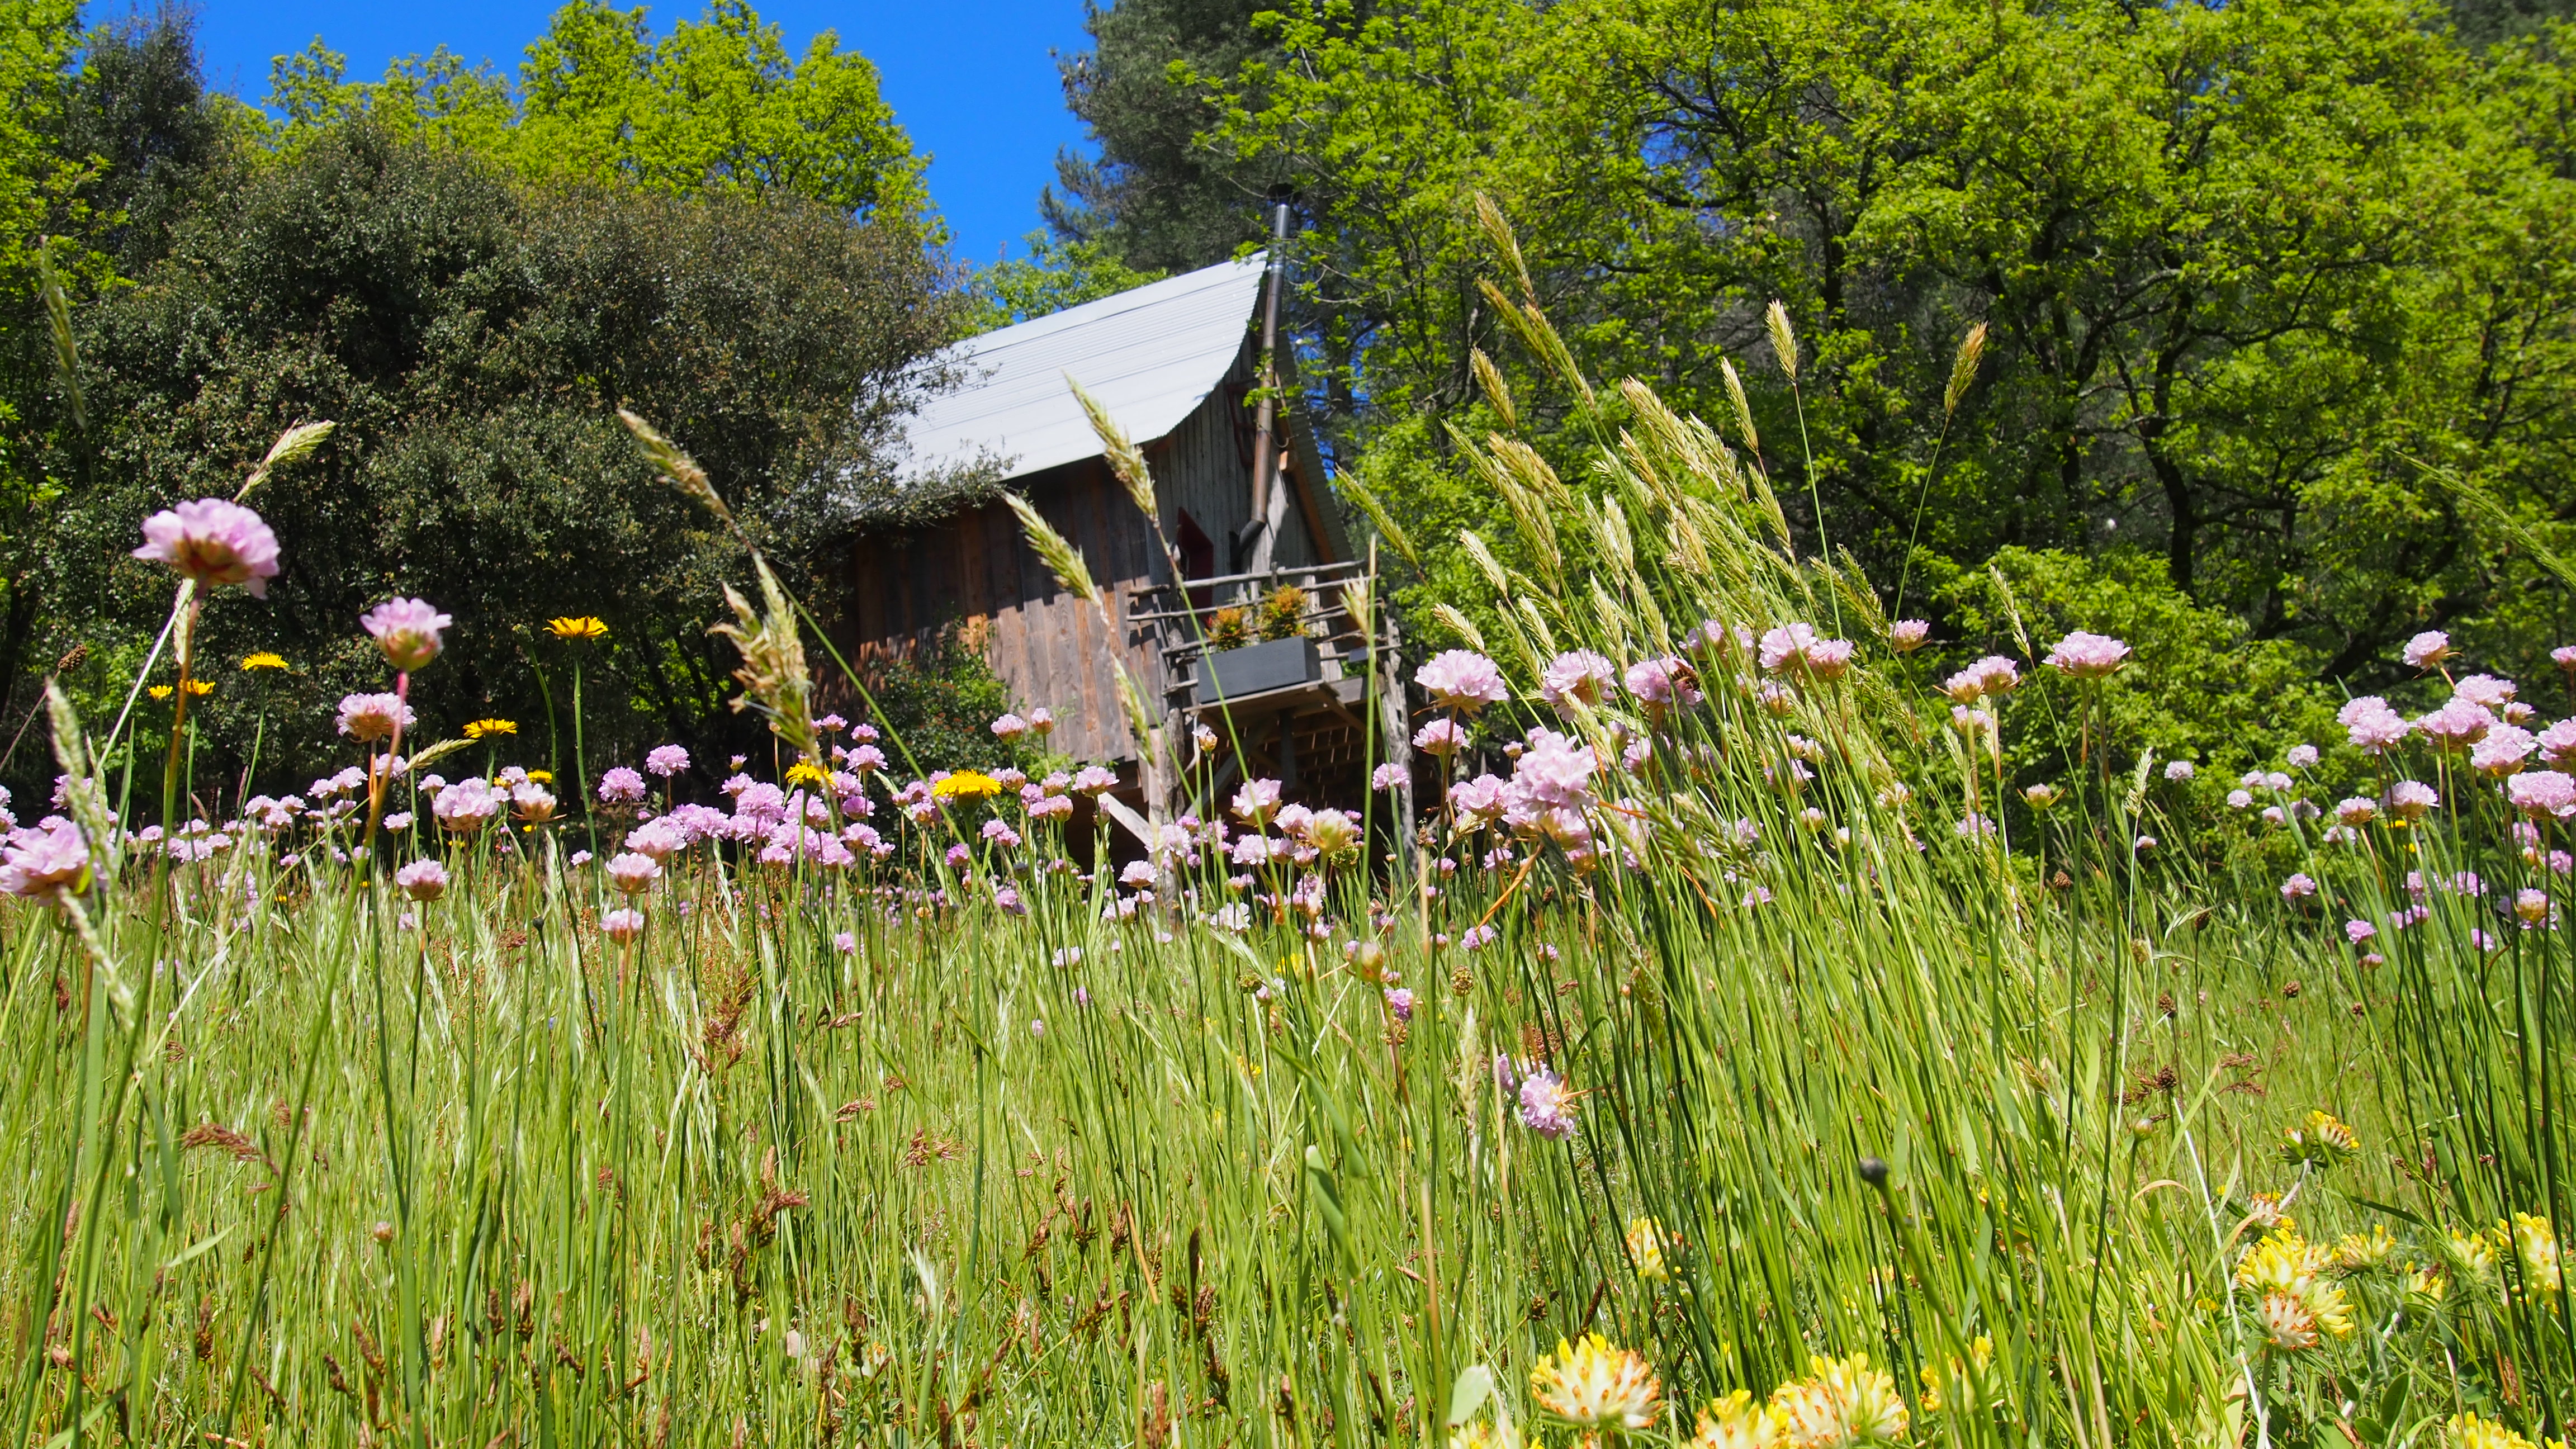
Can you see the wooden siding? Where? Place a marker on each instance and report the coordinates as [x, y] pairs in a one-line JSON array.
[[974, 570]]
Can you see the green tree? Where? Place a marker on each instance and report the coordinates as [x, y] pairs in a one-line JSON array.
[[717, 107], [1158, 197], [1055, 275], [2245, 270], [472, 335]]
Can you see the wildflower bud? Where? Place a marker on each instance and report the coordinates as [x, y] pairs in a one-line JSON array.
[[383, 1232], [1368, 958], [1873, 1170]]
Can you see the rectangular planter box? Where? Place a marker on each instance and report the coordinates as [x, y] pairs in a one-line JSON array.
[[1257, 670]]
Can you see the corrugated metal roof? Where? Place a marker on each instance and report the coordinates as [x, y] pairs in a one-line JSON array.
[[1150, 355]]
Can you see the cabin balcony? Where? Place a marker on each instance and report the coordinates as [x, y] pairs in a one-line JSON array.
[[1302, 708]]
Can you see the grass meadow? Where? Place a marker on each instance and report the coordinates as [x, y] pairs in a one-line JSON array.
[[1736, 1070]]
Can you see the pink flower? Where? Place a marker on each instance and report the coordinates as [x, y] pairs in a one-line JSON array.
[[1795, 649], [2564, 656], [1554, 772], [1010, 727], [2180, 771], [667, 760], [621, 786], [2542, 792], [1576, 674], [466, 806], [1256, 802], [2372, 725], [1399, 1003], [1659, 683], [1547, 1107], [1441, 737], [2298, 887], [846, 942], [1908, 635], [2412, 800], [370, 717], [2302, 756], [2088, 656], [2456, 724], [45, 861], [2503, 750], [2428, 649], [2484, 689], [622, 926], [1993, 674], [1785, 647], [1480, 800], [1094, 780], [2530, 907], [422, 880], [1000, 833], [406, 630], [2558, 742], [2359, 931], [1041, 723], [213, 541], [657, 840], [2356, 811], [1462, 680], [633, 871], [1386, 777]]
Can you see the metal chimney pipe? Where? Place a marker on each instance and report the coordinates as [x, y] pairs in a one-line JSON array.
[[1265, 459]]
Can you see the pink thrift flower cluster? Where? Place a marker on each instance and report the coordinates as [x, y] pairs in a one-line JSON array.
[[213, 541], [407, 631], [2087, 656], [1462, 680]]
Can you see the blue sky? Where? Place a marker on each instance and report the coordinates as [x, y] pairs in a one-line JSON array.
[[974, 81]]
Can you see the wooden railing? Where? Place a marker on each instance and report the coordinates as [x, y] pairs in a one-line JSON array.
[[1181, 628]]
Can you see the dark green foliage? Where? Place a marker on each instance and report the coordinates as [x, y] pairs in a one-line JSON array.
[[2197, 687], [472, 338], [1157, 197], [938, 705]]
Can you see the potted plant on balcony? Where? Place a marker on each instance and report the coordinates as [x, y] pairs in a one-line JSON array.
[[1255, 650]]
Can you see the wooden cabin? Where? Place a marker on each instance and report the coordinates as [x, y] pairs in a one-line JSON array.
[[1178, 364]]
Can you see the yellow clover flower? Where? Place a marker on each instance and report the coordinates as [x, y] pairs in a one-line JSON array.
[[1840, 1404], [1597, 1386]]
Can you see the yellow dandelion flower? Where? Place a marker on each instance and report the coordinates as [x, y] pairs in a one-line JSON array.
[[1736, 1422], [1840, 1404], [159, 691], [2538, 1245], [1646, 1248], [542, 777], [200, 687], [483, 729], [1597, 1386], [806, 772], [966, 784], [584, 627], [2468, 1431], [263, 660], [2320, 1141]]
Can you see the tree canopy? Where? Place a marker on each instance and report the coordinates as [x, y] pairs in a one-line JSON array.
[[718, 106], [2276, 292]]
